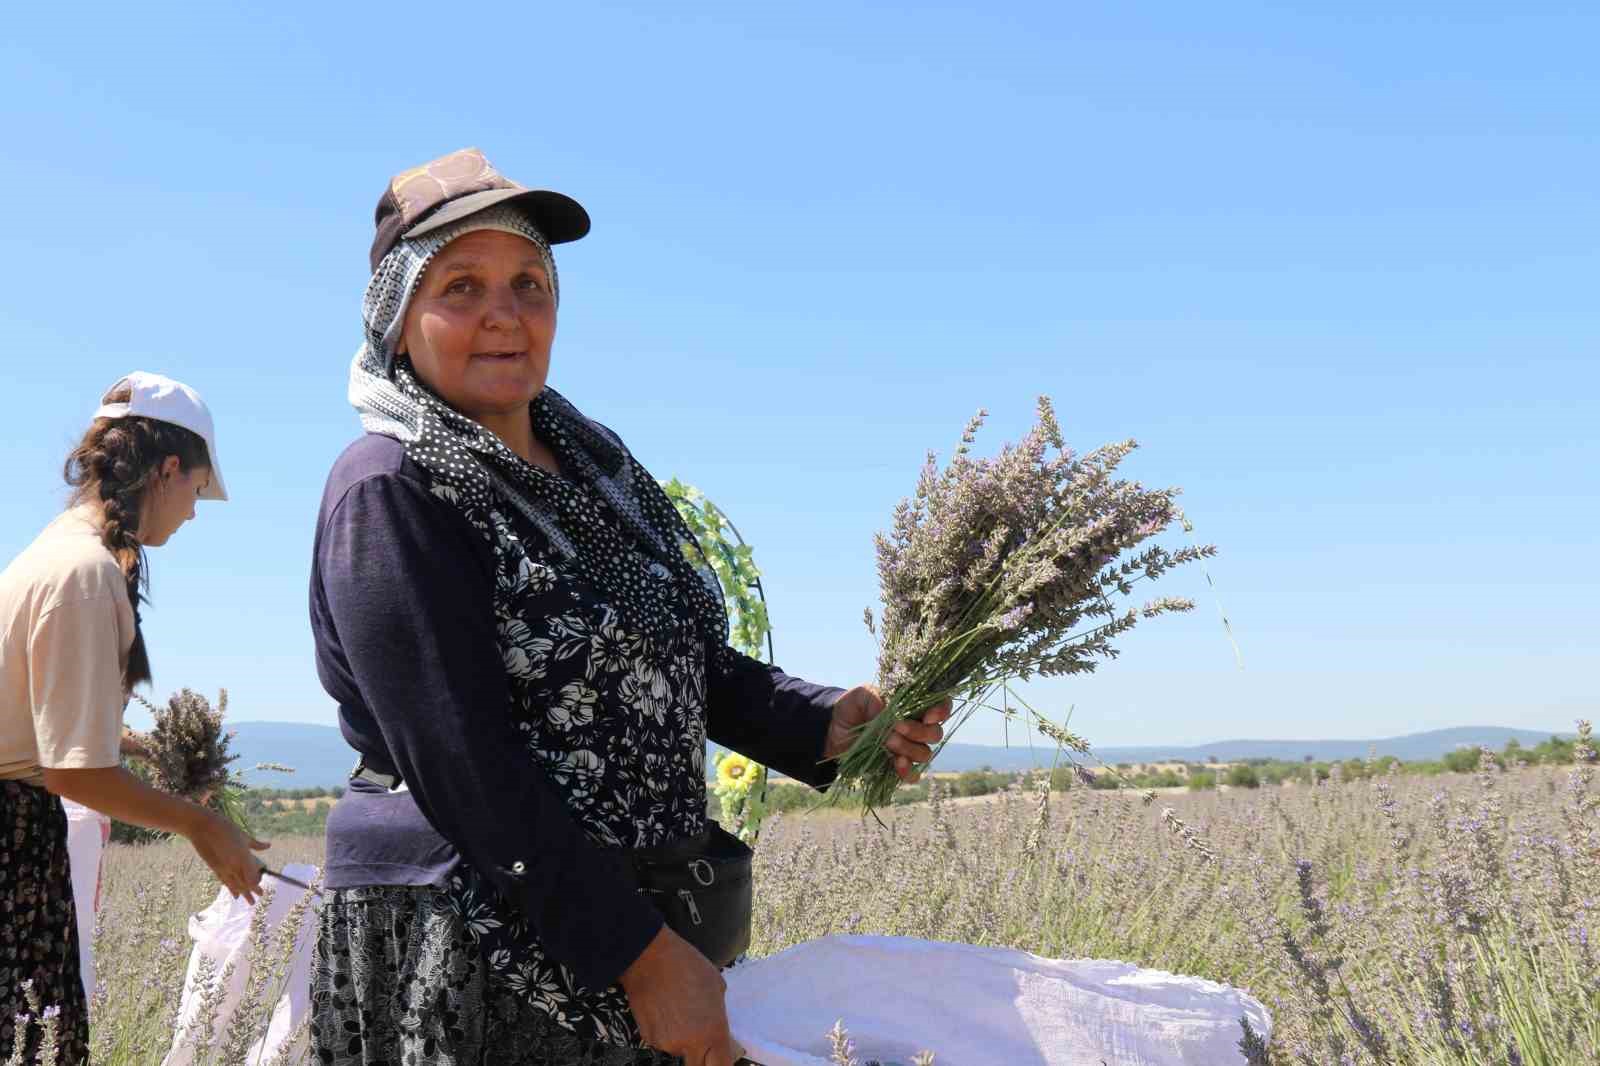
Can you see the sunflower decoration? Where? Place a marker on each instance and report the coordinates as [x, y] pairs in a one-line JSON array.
[[739, 792], [739, 783], [735, 773]]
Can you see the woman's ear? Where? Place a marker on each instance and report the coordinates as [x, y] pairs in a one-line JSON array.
[[169, 467]]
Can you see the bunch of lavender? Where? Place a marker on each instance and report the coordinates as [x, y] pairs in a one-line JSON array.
[[1006, 568], [187, 748], [187, 752]]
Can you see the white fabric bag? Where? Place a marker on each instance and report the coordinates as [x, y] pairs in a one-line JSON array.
[[87, 833], [222, 933], [974, 1006]]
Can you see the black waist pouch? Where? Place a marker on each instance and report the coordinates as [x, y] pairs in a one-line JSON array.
[[702, 887]]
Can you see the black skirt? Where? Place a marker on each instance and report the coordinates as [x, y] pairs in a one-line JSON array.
[[396, 980], [38, 928]]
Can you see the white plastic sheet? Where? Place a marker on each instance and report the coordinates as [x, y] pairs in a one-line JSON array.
[[87, 833], [974, 1006], [222, 933]]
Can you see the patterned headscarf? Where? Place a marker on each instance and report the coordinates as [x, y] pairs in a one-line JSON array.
[[383, 405]]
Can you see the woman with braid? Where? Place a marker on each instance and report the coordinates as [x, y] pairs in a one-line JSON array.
[[70, 651]]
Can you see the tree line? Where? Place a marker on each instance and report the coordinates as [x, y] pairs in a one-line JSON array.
[[277, 811]]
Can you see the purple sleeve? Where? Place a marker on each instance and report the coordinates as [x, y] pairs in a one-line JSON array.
[[781, 721], [411, 598]]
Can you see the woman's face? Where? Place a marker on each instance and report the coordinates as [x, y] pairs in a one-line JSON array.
[[169, 501], [479, 327]]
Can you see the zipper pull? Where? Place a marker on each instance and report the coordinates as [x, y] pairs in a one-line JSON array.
[[688, 901]]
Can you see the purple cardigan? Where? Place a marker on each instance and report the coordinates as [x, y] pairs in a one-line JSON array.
[[401, 615]]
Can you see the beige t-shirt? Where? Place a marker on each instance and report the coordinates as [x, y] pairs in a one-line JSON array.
[[65, 630]]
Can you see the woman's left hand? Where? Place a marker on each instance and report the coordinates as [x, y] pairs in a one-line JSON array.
[[909, 742]]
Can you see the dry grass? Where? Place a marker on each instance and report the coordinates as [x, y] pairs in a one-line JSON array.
[[142, 945], [1405, 921]]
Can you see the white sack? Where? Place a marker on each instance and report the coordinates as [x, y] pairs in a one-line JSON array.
[[222, 933], [87, 833], [975, 1006]]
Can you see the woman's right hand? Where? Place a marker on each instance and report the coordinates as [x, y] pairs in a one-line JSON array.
[[677, 998], [230, 852]]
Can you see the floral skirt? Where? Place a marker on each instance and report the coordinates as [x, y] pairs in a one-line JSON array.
[[397, 980], [38, 930]]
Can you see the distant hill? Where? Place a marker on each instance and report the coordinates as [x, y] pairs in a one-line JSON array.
[[318, 753], [1409, 748], [1412, 747], [322, 759]]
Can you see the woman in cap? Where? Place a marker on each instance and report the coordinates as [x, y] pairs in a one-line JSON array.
[[528, 653], [71, 650]]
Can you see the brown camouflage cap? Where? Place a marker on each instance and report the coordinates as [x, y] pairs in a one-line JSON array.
[[424, 198]]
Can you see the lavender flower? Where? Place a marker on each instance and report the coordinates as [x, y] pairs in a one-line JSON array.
[[1007, 568]]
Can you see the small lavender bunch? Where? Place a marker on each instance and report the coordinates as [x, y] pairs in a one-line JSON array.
[[187, 752], [1006, 568], [187, 747]]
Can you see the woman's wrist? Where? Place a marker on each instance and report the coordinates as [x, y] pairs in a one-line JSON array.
[[194, 819], [641, 970]]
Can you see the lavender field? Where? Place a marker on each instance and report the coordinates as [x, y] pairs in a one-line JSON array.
[[1402, 919]]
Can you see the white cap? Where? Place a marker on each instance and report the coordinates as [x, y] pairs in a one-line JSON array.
[[159, 397]]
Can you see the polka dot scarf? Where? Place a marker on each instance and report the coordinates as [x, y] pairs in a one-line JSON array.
[[594, 524]]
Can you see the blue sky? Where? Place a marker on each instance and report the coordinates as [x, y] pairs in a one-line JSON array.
[[1334, 268]]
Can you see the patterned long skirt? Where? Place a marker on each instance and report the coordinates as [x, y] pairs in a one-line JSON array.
[[38, 929], [396, 980]]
